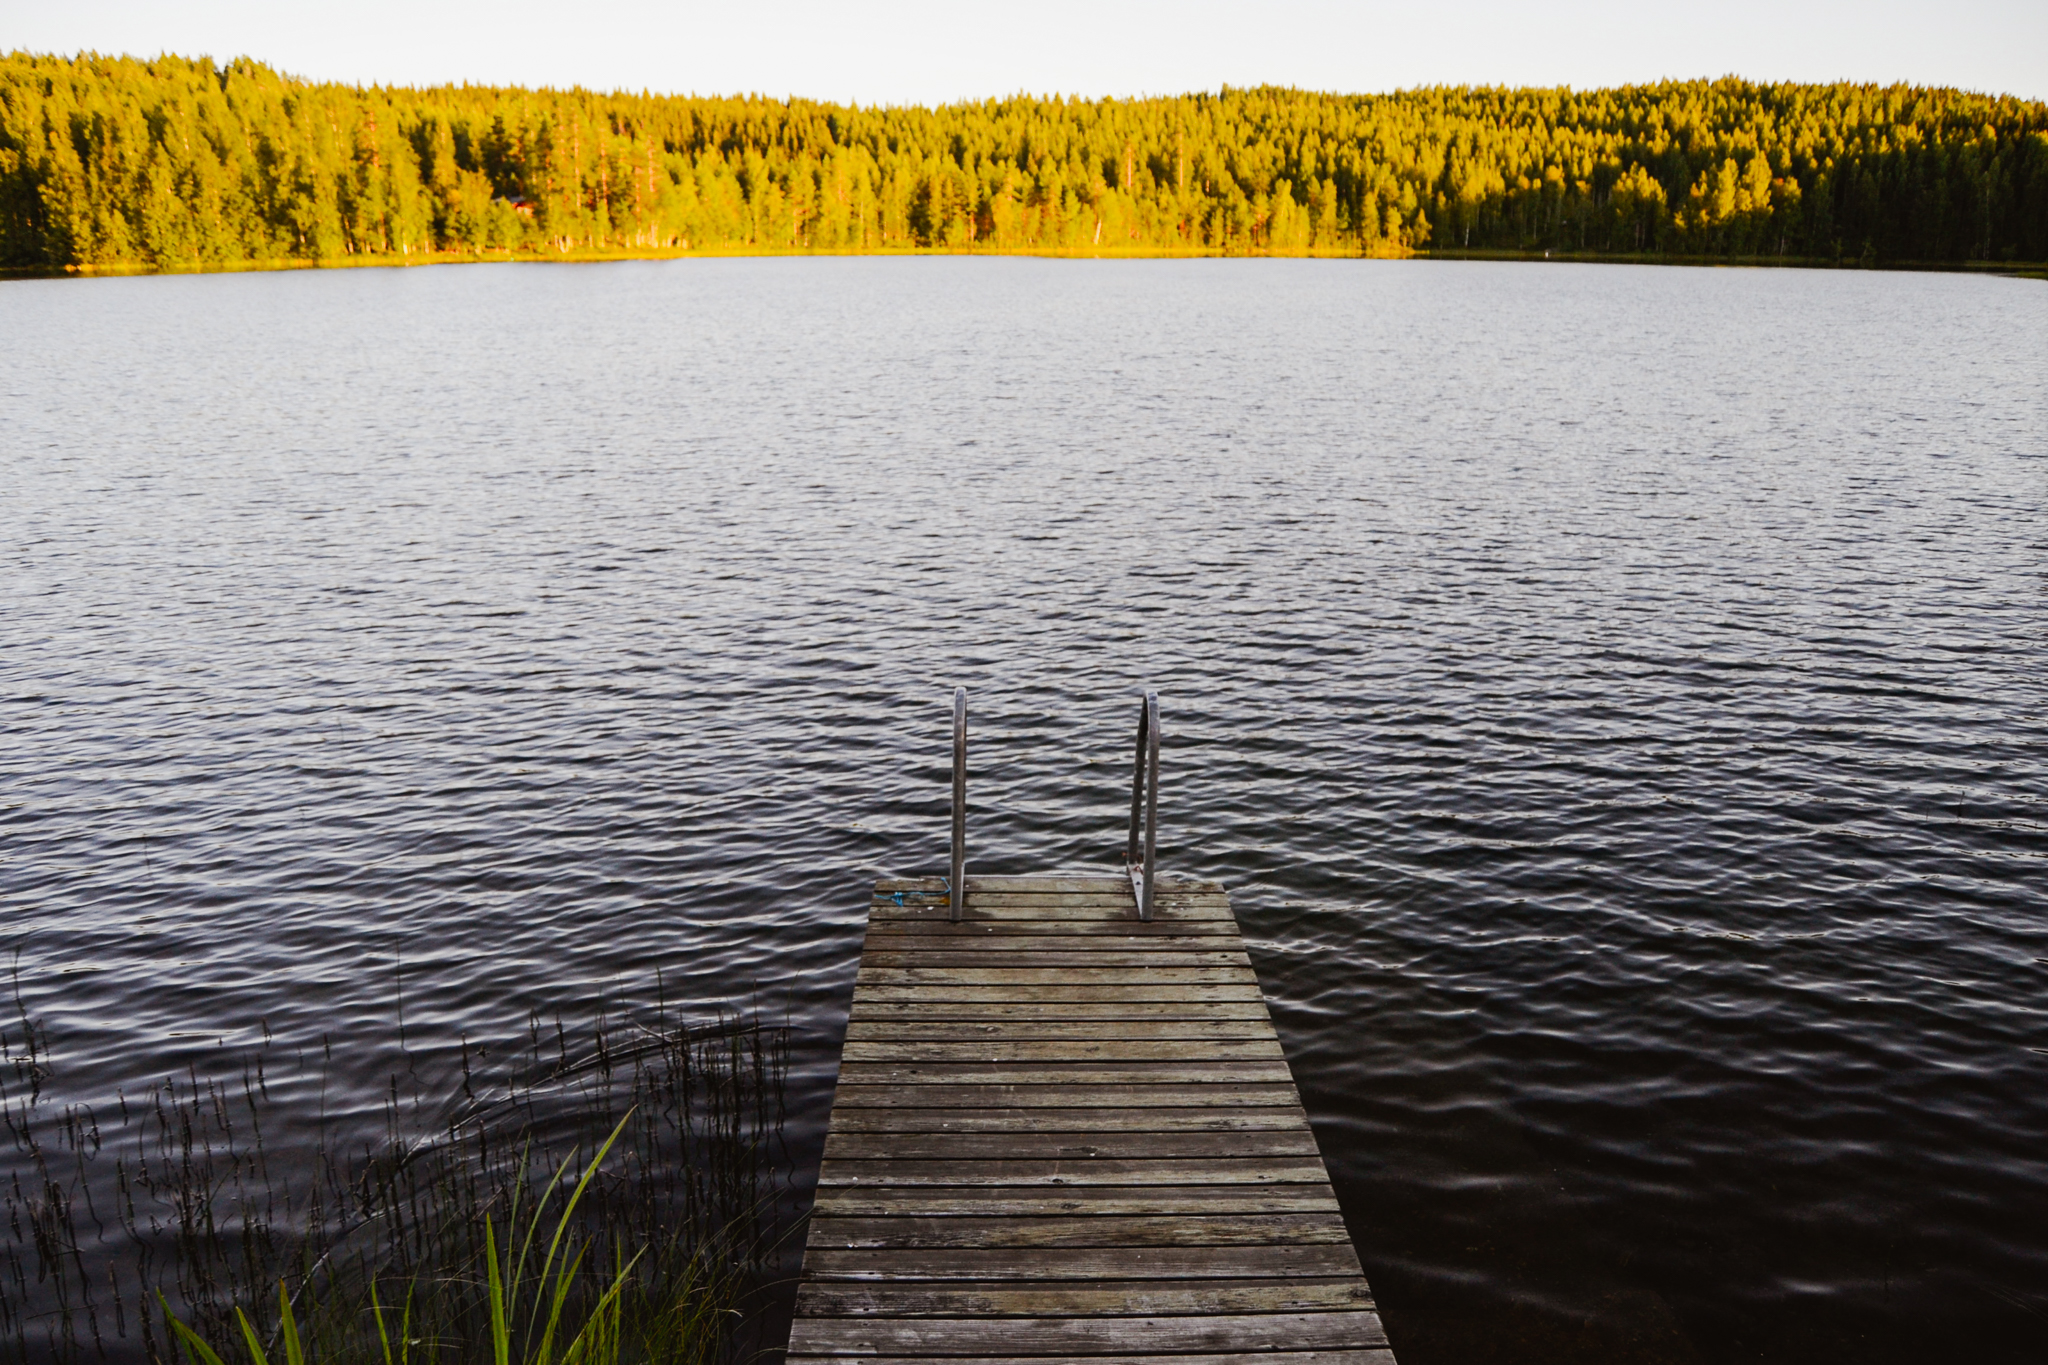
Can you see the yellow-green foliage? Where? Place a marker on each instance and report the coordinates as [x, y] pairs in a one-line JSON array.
[[110, 161]]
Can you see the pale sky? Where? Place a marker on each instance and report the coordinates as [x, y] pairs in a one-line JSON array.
[[923, 52]]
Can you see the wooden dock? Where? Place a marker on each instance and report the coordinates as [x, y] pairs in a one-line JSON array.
[[1061, 1133]]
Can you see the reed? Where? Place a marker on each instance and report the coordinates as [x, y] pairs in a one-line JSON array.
[[622, 1199]]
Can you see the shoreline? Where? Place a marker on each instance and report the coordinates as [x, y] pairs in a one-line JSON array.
[[2031, 270]]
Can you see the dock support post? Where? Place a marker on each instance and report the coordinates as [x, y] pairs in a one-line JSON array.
[[956, 888]]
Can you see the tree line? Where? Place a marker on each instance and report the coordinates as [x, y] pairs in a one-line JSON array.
[[175, 163]]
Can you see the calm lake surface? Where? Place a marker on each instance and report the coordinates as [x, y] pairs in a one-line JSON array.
[[1617, 698]]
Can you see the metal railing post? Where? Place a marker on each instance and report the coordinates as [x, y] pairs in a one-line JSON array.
[[956, 887], [1151, 803], [1145, 808], [1131, 849]]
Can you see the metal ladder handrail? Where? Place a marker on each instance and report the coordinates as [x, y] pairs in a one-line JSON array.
[[956, 887], [1145, 798], [1144, 809]]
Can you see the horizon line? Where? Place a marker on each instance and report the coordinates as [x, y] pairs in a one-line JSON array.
[[1070, 97]]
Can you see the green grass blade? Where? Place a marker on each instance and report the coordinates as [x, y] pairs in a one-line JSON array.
[[501, 1335], [249, 1335], [562, 1281], [294, 1351], [195, 1348], [377, 1312], [533, 1220], [600, 1334]]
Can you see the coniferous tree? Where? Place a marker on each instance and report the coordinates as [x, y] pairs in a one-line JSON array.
[[177, 163]]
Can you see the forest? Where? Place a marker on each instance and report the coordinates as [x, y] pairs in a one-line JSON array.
[[117, 162]]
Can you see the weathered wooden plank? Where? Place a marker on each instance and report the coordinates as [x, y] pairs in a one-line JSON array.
[[1134, 975], [1115, 1095], [1234, 1169], [1252, 1229], [912, 1201], [1001, 1119], [1079, 1132], [1046, 881], [1363, 1356], [1003, 946], [923, 1007], [1145, 962], [980, 890], [1125, 1298], [1066, 1050], [1106, 899], [1093, 910], [841, 1145], [1043, 881], [1336, 1330], [1219, 1073], [1084, 1263], [1039, 881], [1168, 889], [1056, 1030], [973, 931], [1165, 992], [1100, 908]]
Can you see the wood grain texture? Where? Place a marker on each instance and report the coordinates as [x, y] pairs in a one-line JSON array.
[[922, 1009], [976, 931], [1332, 1259], [1082, 1230], [1102, 1050], [924, 1030], [1048, 909], [1083, 1167], [1088, 1335], [1133, 974], [1143, 992], [1059, 1133], [1102, 1095], [1071, 1121], [1095, 959], [910, 1201], [1125, 1298], [1107, 1146], [1366, 1356], [1046, 1073]]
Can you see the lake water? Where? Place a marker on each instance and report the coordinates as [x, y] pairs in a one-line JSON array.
[[1617, 698]]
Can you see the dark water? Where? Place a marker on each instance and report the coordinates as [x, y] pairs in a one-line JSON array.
[[1616, 697]]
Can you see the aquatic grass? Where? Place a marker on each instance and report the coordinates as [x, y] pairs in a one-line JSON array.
[[596, 1342], [483, 1237]]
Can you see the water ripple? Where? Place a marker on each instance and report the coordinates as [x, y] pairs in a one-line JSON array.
[[1616, 697]]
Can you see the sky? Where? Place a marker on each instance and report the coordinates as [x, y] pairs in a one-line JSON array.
[[923, 52]]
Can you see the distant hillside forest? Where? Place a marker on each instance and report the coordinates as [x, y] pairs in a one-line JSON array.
[[175, 163]]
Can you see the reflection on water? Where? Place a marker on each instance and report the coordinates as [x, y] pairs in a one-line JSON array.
[[1615, 697]]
